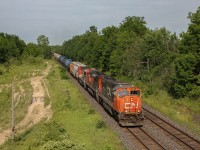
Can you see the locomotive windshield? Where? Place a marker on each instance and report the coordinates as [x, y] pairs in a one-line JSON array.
[[122, 93], [126, 93], [136, 92]]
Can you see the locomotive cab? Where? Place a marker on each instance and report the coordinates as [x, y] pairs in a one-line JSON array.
[[122, 100], [127, 102]]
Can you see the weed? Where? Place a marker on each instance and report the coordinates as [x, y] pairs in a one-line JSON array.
[[1, 72], [63, 74], [100, 124], [67, 105], [108, 147], [91, 111]]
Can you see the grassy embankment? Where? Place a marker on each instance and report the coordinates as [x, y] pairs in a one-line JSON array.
[[185, 111], [74, 123], [20, 74]]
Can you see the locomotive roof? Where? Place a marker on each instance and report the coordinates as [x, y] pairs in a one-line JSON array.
[[68, 59], [122, 85], [109, 79], [84, 67], [95, 72], [78, 63], [115, 84]]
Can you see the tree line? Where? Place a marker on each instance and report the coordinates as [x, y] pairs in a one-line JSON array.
[[157, 58], [13, 48]]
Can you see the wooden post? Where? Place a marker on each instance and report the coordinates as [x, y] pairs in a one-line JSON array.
[[13, 115]]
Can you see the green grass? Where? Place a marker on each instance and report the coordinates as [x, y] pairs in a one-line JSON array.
[[74, 124], [5, 107], [184, 111]]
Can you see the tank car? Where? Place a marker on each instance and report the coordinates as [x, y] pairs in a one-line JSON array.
[[67, 63]]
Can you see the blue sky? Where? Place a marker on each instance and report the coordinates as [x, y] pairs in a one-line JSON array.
[[60, 20]]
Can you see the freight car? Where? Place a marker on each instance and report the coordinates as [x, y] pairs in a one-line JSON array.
[[67, 63], [81, 76], [75, 69], [63, 60], [56, 56], [122, 100]]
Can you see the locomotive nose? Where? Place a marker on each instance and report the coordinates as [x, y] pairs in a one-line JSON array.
[[132, 104]]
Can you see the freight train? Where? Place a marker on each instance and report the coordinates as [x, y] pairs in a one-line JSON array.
[[122, 100]]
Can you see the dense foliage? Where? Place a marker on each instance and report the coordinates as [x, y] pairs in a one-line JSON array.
[[130, 50], [187, 79], [157, 57], [12, 47]]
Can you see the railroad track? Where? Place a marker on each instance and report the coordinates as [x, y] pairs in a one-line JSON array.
[[144, 140], [182, 138]]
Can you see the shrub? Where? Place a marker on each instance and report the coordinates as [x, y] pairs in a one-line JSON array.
[[1, 72], [63, 145], [52, 131]]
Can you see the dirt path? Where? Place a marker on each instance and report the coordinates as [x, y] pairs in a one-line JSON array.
[[36, 111]]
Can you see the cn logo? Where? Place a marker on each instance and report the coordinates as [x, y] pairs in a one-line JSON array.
[[130, 105]]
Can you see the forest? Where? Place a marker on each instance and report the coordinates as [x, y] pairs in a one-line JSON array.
[[155, 58]]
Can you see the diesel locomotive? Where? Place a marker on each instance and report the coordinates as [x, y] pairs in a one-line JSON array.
[[122, 100]]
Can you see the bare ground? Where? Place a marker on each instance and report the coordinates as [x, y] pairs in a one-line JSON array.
[[36, 111]]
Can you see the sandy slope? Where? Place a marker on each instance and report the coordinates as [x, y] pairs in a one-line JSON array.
[[36, 111]]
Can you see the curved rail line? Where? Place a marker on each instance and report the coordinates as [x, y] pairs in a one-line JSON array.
[[147, 142], [183, 139], [144, 139]]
